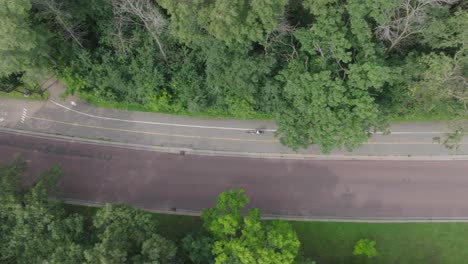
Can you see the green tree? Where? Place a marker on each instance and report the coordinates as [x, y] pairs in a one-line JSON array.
[[443, 75], [365, 247], [325, 111], [246, 239], [188, 81], [330, 72], [10, 180], [132, 78], [126, 235], [22, 47], [70, 239], [10, 82], [198, 249], [235, 79], [442, 79], [330, 89], [35, 229], [447, 29], [237, 22], [401, 22]]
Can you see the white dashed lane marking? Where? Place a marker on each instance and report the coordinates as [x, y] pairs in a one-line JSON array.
[[3, 113], [23, 116]]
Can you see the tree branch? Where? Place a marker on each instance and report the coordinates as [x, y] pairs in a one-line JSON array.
[[149, 15]]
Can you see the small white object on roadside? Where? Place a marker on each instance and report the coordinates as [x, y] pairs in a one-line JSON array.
[[73, 103]]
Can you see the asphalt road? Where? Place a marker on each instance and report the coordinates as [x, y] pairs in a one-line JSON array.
[[81, 120], [390, 190]]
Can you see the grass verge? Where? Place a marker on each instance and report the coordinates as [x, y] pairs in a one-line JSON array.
[[329, 242], [333, 242], [410, 116], [133, 107], [19, 95], [449, 111], [428, 117]]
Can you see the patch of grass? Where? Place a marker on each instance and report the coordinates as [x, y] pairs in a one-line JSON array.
[[428, 117], [134, 107], [333, 242], [329, 242], [176, 227], [19, 95], [448, 111], [408, 116]]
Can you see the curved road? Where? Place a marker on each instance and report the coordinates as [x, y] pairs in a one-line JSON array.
[[319, 190]]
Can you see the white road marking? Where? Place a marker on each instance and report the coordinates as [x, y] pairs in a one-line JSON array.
[[410, 132], [3, 114], [157, 123], [23, 116], [216, 127]]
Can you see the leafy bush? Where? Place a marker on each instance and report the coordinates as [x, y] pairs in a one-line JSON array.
[[365, 247]]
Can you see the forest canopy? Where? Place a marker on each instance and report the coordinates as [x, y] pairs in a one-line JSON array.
[[328, 72]]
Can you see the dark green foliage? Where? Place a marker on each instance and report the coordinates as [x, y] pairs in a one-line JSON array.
[[187, 83], [330, 72], [129, 79], [237, 22], [11, 82], [198, 248], [23, 46], [11, 179], [126, 235], [34, 227], [235, 80], [330, 87]]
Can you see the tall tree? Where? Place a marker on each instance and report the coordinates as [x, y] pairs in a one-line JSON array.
[[238, 22], [198, 248], [127, 235], [22, 47], [35, 229], [62, 19], [235, 80], [246, 239], [146, 12], [134, 77], [11, 82], [329, 89], [440, 77], [401, 19]]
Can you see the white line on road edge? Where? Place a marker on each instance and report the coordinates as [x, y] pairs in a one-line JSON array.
[[410, 132], [315, 218], [216, 127], [157, 123], [201, 152]]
